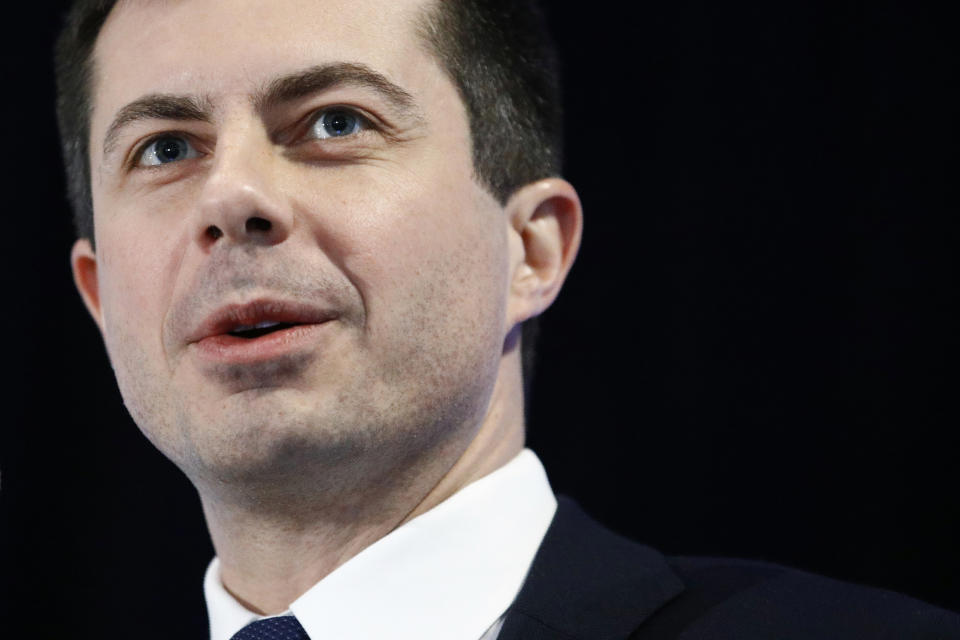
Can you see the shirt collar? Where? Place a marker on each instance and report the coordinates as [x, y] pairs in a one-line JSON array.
[[448, 574]]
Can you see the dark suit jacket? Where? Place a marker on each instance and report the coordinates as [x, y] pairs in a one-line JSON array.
[[587, 583]]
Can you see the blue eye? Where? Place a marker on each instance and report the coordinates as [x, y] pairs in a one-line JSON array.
[[336, 123], [167, 149]]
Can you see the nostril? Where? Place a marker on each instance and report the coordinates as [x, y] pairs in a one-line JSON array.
[[257, 224], [214, 233]]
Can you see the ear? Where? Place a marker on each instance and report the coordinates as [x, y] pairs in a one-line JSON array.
[[546, 222], [83, 262]]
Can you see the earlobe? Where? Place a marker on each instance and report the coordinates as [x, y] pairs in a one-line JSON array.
[[546, 222], [83, 262]]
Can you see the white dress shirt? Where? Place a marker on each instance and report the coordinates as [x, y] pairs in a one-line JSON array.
[[448, 574]]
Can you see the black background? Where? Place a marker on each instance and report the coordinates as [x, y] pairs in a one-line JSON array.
[[754, 355]]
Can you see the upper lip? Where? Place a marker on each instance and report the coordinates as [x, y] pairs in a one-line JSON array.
[[231, 317]]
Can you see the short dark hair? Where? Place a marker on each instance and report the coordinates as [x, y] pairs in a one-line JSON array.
[[500, 56], [73, 65], [498, 53]]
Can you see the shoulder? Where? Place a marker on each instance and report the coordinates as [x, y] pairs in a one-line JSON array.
[[589, 583], [730, 598]]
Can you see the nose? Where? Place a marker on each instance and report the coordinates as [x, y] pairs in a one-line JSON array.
[[241, 201]]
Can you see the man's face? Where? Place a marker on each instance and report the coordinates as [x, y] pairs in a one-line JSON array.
[[313, 169]]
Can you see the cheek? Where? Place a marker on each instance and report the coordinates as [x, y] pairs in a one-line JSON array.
[[434, 210], [430, 261], [423, 238], [134, 285]]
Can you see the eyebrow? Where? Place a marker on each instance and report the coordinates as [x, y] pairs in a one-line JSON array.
[[326, 76], [157, 106], [288, 88]]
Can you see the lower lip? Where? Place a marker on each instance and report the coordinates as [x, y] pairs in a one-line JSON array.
[[228, 349]]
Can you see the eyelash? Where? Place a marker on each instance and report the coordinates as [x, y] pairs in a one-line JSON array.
[[140, 151], [365, 123]]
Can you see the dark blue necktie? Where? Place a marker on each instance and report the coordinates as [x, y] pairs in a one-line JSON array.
[[279, 628]]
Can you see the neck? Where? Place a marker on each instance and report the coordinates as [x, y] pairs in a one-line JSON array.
[[271, 556]]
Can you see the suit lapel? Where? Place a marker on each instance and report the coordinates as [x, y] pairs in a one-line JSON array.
[[588, 582]]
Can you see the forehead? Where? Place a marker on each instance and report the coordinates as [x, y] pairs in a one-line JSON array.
[[230, 47]]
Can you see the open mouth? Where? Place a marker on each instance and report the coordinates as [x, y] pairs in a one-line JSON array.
[[261, 330], [250, 332]]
